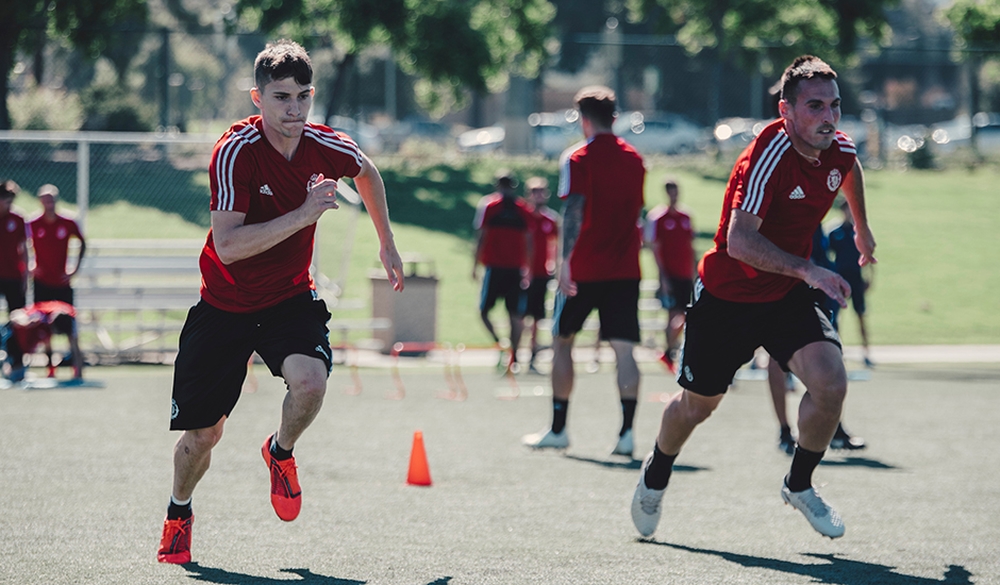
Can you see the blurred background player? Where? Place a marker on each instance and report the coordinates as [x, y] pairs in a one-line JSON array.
[[602, 181], [50, 238], [780, 383], [503, 225], [846, 261], [13, 261], [670, 235], [544, 247]]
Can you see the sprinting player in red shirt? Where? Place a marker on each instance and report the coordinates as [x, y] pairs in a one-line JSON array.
[[272, 177], [503, 225], [50, 237], [671, 236], [545, 246], [754, 289], [601, 180]]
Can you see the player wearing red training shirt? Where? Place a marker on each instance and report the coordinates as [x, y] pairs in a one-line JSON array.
[[503, 225], [756, 289], [602, 183], [50, 236], [272, 177], [545, 246], [13, 249], [672, 239]]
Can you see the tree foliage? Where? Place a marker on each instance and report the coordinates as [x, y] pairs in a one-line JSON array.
[[976, 23], [748, 29], [452, 44], [25, 25]]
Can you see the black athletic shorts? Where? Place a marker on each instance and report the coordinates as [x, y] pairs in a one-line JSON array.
[[506, 283], [215, 346], [617, 304], [720, 336], [536, 297], [680, 293], [44, 292], [13, 290]]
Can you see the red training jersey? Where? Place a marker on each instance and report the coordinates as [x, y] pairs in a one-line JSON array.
[[545, 242], [505, 223], [249, 176], [50, 242], [673, 232], [12, 240], [790, 194], [609, 174]]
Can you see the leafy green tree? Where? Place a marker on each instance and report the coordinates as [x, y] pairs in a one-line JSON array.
[[25, 25], [761, 35], [452, 45], [977, 25]]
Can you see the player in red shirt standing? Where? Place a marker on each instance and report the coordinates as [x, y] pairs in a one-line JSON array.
[[601, 180], [13, 249], [545, 246], [13, 260], [503, 226], [50, 236], [272, 177], [754, 289], [671, 236]]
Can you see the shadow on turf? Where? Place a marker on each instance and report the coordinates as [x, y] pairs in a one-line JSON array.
[[857, 462], [223, 577], [837, 571], [629, 464]]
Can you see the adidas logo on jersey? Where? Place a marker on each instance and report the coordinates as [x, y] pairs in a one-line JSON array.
[[265, 189], [797, 193]]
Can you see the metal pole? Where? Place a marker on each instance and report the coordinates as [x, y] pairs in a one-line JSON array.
[[82, 182]]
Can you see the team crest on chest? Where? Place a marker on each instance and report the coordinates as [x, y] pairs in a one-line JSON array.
[[833, 179]]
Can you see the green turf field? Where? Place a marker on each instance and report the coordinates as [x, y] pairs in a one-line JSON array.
[[939, 247]]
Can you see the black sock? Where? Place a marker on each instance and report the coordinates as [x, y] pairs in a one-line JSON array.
[[628, 414], [559, 408], [658, 472], [277, 452], [799, 478], [177, 511]]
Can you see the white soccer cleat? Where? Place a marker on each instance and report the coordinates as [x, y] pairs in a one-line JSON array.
[[820, 514], [646, 502], [625, 445], [546, 439]]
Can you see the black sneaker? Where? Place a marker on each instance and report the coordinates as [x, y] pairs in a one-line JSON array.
[[843, 441], [786, 442]]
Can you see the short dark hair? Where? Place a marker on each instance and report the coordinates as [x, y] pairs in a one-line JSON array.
[[281, 60], [8, 188], [596, 103], [803, 68]]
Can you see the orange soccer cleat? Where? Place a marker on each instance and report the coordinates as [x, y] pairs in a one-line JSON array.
[[175, 546], [286, 496]]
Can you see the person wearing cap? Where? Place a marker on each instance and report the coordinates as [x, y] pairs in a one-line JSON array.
[[50, 238], [503, 225]]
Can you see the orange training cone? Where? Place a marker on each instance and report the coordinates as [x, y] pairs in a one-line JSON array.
[[419, 473]]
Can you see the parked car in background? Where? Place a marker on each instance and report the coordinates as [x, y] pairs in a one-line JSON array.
[[365, 135], [734, 134], [662, 133], [554, 132], [485, 139]]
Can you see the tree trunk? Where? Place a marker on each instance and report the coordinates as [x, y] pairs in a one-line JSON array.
[[6, 64]]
